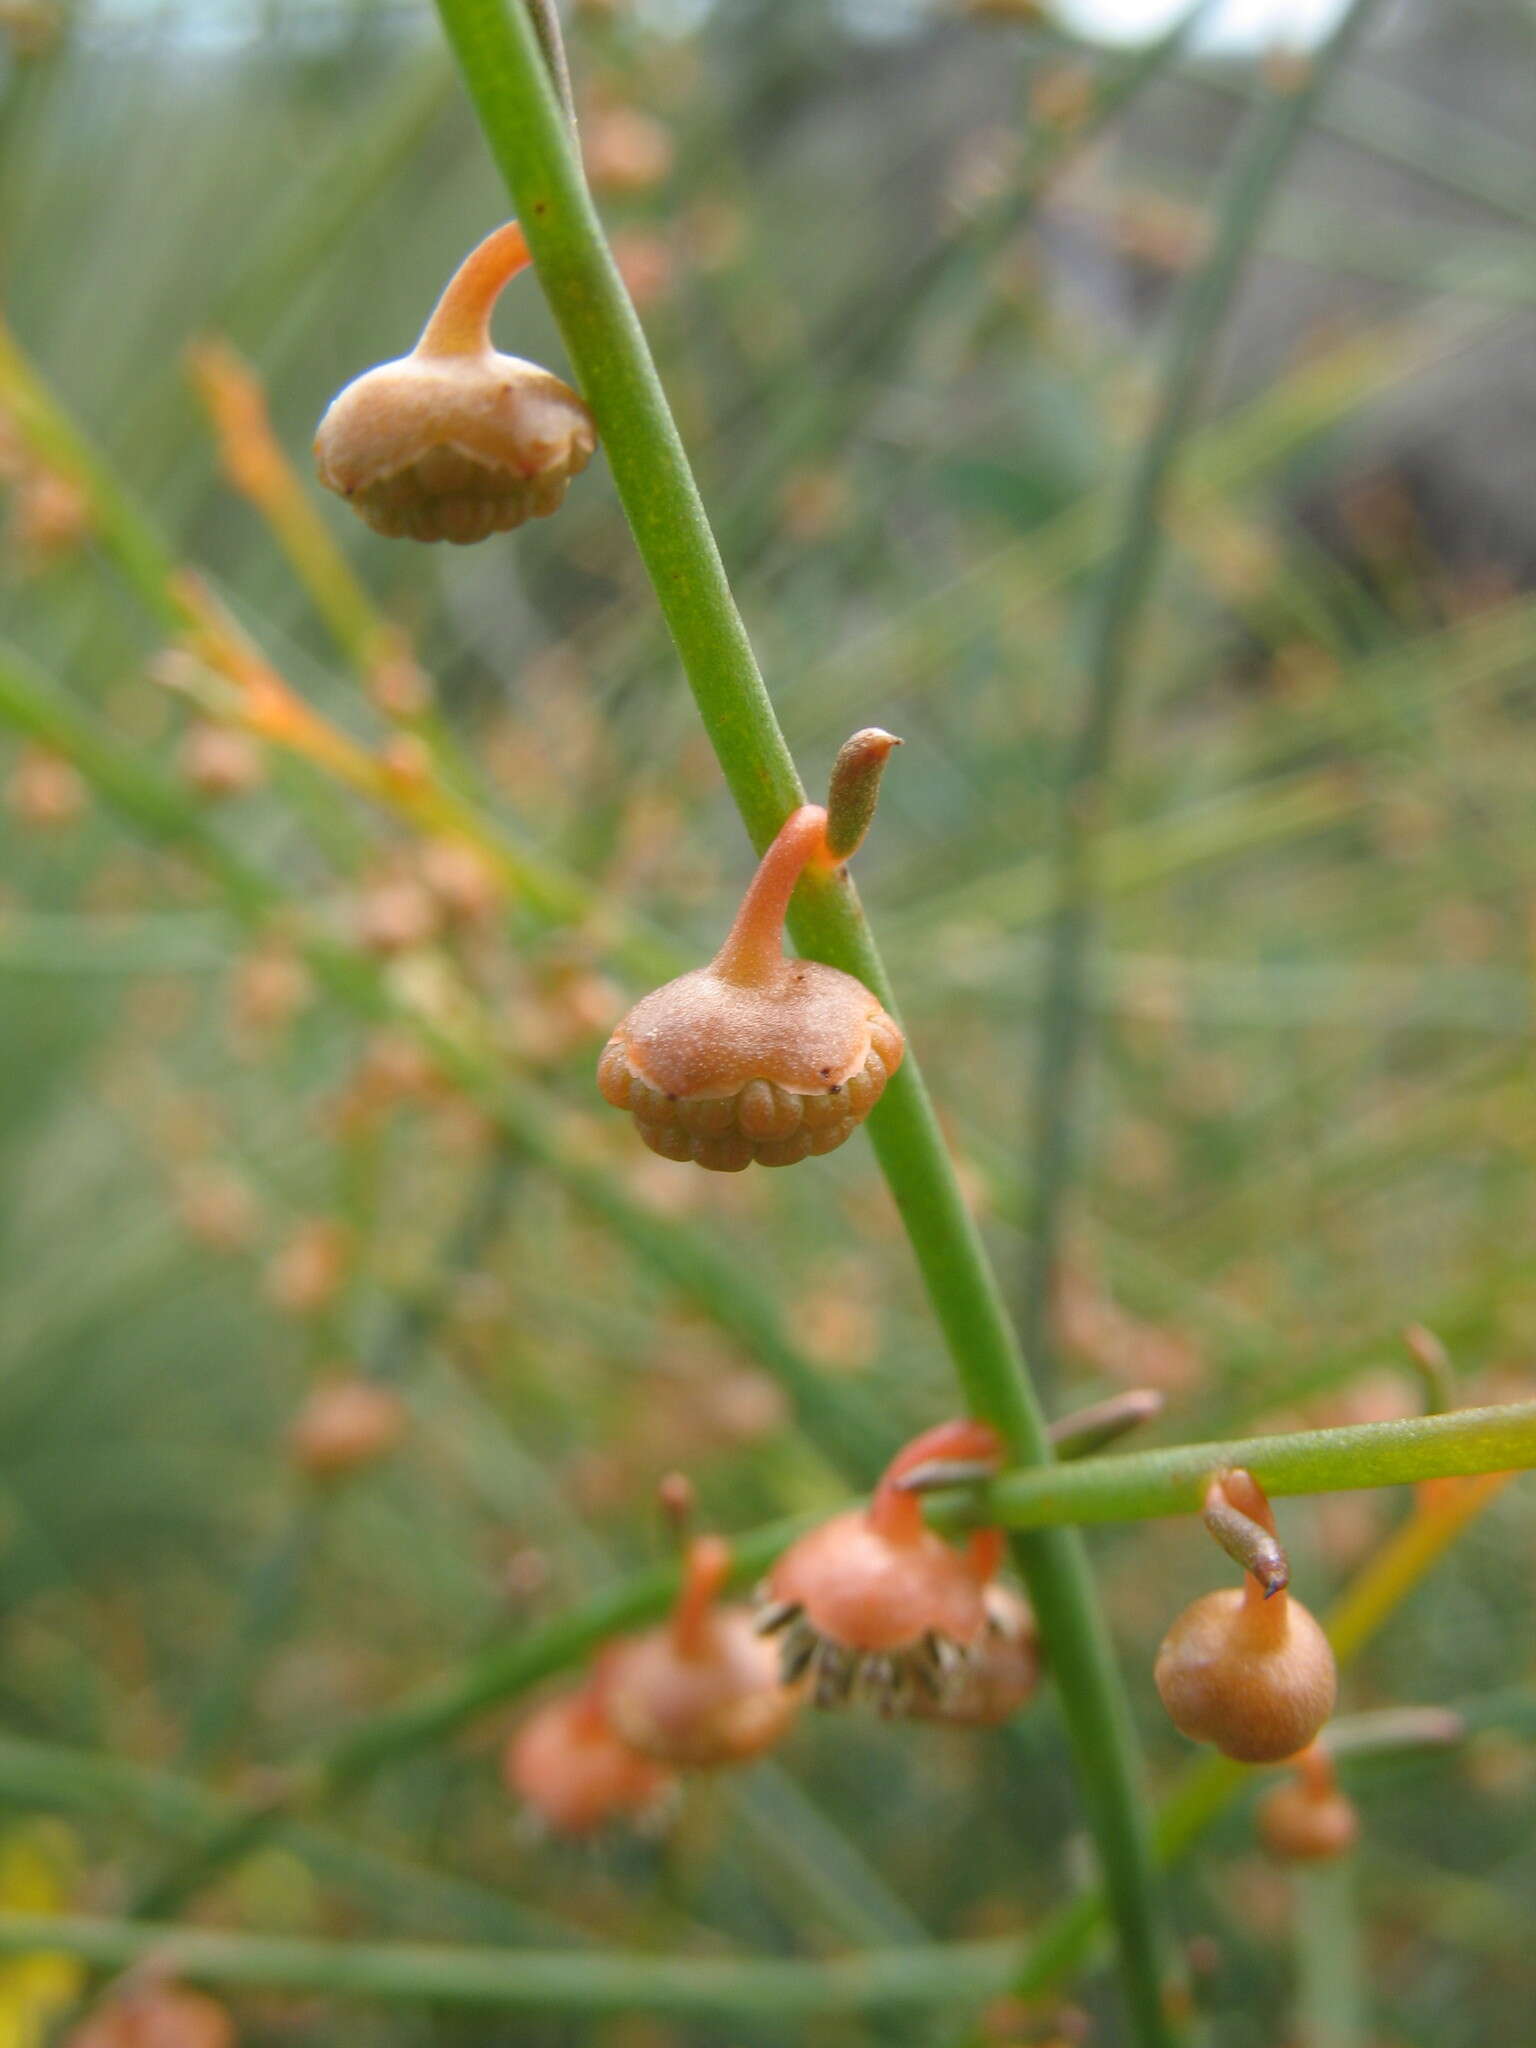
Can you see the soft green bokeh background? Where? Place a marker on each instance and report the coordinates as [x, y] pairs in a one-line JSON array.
[[1310, 1120]]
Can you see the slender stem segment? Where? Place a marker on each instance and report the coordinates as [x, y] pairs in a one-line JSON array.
[[499, 56], [1136, 1485], [706, 1573]]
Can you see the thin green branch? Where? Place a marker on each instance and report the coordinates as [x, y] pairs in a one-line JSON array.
[[1114, 625], [1331, 1999], [1137, 1485], [530, 139], [531, 1980], [43, 1777]]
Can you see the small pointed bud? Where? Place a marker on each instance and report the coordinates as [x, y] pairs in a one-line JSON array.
[[675, 1498], [1392, 1730], [756, 1057], [855, 789], [1245, 1539], [456, 441], [1433, 1364], [1088, 1430]]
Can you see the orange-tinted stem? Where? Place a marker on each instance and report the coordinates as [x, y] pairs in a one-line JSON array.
[[898, 1516], [1248, 1497], [588, 1713], [461, 320], [1314, 1767], [754, 945], [705, 1572]]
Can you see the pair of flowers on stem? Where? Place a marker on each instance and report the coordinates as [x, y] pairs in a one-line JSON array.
[[761, 1058], [755, 1057]]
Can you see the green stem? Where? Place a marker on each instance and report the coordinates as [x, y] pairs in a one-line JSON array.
[[41, 1777], [1330, 1986], [530, 1980], [1136, 1485], [1114, 625], [499, 56]]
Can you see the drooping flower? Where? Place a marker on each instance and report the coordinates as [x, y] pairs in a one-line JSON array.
[[456, 441]]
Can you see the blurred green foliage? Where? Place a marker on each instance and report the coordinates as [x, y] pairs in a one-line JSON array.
[[902, 289]]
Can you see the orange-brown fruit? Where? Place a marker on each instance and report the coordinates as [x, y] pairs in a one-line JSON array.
[[756, 1057], [1307, 1819], [1254, 1676], [155, 2015], [703, 1689], [875, 1604], [999, 1675], [345, 1425], [569, 1768], [456, 441]]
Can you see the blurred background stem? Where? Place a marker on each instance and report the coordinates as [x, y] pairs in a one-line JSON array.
[[1116, 613], [1331, 1999]]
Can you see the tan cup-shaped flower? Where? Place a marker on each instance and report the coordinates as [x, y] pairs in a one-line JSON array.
[[1307, 1819], [456, 441], [874, 1603], [756, 1056], [573, 1772], [704, 1689], [1000, 1673]]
